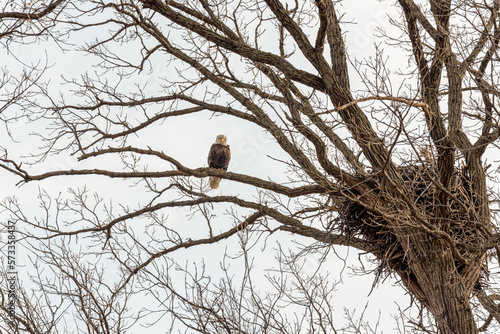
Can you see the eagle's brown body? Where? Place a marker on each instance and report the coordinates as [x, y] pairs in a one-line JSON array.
[[218, 158]]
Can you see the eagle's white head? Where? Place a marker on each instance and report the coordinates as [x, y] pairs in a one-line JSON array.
[[221, 139]]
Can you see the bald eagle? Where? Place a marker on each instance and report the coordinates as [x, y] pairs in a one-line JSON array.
[[218, 158]]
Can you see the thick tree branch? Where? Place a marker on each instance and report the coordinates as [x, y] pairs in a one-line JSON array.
[[489, 304], [236, 45], [35, 15]]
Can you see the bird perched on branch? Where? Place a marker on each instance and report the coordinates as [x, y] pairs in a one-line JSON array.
[[218, 158]]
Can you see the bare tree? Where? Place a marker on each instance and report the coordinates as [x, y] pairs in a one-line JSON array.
[[389, 161]]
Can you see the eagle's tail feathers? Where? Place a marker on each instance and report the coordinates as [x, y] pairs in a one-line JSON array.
[[214, 182]]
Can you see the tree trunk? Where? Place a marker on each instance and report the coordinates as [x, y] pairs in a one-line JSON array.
[[442, 287], [449, 303]]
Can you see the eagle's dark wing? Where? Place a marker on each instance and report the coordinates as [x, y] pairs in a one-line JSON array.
[[219, 156]]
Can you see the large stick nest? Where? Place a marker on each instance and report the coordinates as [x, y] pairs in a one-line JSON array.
[[356, 220]]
